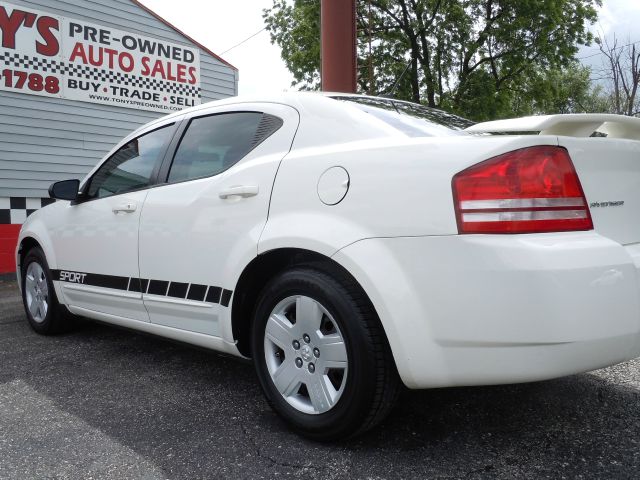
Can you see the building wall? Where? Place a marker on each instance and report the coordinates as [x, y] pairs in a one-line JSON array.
[[43, 139]]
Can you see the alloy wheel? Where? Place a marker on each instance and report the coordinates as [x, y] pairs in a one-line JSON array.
[[37, 292], [306, 355]]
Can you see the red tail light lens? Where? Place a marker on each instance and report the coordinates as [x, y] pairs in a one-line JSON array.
[[531, 190]]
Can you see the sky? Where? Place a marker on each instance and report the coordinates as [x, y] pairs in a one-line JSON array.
[[619, 17], [221, 24]]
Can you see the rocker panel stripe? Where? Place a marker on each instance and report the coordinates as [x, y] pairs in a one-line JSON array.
[[190, 291]]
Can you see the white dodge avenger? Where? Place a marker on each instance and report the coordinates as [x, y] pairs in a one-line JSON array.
[[350, 245]]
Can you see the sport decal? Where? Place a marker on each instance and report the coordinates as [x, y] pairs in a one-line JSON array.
[[73, 277], [165, 288], [54, 56]]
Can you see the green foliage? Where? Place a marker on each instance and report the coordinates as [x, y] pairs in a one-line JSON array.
[[559, 90], [479, 58], [565, 89], [296, 29]]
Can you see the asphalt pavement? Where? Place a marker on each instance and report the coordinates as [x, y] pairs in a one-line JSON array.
[[108, 403]]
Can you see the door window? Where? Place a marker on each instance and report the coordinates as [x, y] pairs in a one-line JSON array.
[[214, 143], [132, 166]]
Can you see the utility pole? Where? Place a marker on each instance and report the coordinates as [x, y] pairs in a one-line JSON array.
[[371, 91], [338, 45]]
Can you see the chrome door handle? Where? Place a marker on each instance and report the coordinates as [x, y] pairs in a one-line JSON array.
[[242, 191], [127, 207]]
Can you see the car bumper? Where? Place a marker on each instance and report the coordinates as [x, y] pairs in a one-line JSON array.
[[490, 309]]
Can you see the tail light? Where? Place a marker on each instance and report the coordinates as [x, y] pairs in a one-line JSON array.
[[531, 190]]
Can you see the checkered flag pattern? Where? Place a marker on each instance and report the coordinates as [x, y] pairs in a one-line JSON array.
[[15, 210], [97, 74], [32, 63]]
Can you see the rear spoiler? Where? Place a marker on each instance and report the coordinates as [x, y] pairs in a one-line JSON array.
[[572, 125]]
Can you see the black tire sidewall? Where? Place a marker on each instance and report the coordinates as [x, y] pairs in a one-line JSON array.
[[48, 323], [354, 404]]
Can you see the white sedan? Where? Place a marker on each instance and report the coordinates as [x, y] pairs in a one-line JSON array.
[[351, 244]]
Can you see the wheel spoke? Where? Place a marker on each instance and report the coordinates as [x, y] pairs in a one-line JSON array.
[[37, 271], [308, 314], [34, 306], [280, 331], [321, 393], [287, 378], [44, 307], [334, 351], [30, 282], [42, 282]]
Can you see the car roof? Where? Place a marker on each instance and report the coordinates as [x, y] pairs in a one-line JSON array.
[[297, 100], [293, 99], [320, 110], [287, 98]]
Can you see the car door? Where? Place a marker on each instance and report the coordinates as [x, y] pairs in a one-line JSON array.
[[200, 229], [96, 240]]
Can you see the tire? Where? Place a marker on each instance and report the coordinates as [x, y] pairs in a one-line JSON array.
[[44, 313], [329, 391]]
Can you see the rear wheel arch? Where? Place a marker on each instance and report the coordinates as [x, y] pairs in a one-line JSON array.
[[260, 271]]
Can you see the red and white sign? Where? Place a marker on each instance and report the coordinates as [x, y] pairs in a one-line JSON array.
[[45, 54]]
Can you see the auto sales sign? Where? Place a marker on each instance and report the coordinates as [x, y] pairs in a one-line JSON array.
[[45, 54]]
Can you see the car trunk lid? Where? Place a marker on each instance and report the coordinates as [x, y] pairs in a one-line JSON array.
[[609, 171]]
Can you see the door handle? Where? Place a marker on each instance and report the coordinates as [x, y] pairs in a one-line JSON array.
[[127, 207], [242, 191]]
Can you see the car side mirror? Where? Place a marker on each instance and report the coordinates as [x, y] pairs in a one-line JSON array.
[[65, 190]]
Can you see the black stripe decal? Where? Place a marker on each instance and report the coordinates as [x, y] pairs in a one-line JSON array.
[[226, 296], [197, 292], [213, 295], [158, 287], [178, 290], [134, 285], [193, 291]]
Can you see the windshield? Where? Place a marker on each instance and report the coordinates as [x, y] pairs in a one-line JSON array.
[[412, 119]]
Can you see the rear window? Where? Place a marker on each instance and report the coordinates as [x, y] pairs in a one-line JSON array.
[[412, 119], [214, 143]]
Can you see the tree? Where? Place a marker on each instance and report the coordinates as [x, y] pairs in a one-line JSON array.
[[296, 30], [621, 70], [465, 56], [564, 90]]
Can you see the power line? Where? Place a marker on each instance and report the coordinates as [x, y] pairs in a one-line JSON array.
[[601, 53], [245, 40]]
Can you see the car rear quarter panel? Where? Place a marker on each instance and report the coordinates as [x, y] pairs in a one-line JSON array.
[[397, 188]]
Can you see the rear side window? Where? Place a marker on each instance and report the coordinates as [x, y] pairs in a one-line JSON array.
[[214, 143], [132, 166], [411, 119]]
